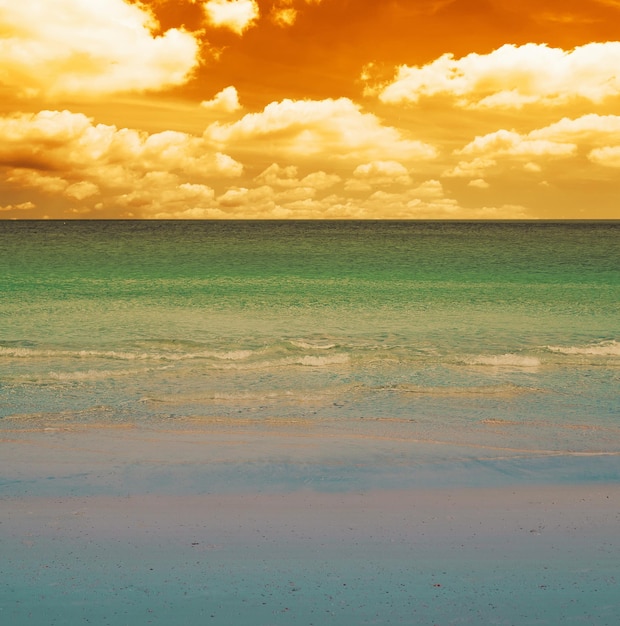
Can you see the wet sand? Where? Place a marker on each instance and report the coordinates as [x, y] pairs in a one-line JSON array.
[[88, 535]]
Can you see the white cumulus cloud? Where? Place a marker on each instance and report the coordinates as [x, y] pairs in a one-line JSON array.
[[378, 174], [288, 178], [87, 47], [236, 15], [505, 142], [513, 76], [596, 136], [307, 128], [585, 129], [608, 156], [226, 101]]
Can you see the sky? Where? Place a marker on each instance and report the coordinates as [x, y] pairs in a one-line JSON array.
[[304, 109]]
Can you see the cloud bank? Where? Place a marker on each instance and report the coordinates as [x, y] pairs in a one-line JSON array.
[[60, 153]]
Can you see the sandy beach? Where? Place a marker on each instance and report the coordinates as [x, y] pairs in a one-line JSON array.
[[176, 547]]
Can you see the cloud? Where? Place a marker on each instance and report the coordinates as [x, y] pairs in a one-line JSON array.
[[62, 140], [64, 153], [311, 128], [44, 182], [22, 206], [425, 200], [597, 136], [378, 174], [560, 139], [81, 190], [532, 167], [511, 143], [383, 171], [158, 193], [608, 156], [478, 183], [591, 128], [475, 168], [512, 76], [87, 48], [284, 13], [105, 170], [226, 101], [236, 15], [288, 178], [428, 200], [280, 192]]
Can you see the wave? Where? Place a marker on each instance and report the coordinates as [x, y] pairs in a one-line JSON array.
[[318, 361], [78, 376], [34, 353], [171, 352], [306, 344], [91, 375], [281, 352], [504, 360], [603, 348], [303, 360]]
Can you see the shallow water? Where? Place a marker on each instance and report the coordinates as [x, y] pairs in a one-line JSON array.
[[501, 335]]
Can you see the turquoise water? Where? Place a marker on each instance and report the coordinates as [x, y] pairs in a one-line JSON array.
[[487, 339]]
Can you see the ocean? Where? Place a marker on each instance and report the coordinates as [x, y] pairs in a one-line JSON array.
[[397, 351]]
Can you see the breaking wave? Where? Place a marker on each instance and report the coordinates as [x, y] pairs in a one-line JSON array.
[[312, 345], [504, 360], [303, 360], [119, 355], [604, 348]]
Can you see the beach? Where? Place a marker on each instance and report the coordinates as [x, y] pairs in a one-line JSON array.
[[93, 534]]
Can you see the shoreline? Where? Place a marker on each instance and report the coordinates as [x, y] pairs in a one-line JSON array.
[[121, 459]]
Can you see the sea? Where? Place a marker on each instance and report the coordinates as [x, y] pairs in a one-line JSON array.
[[398, 349]]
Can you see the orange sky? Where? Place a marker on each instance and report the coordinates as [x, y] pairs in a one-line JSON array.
[[440, 109]]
